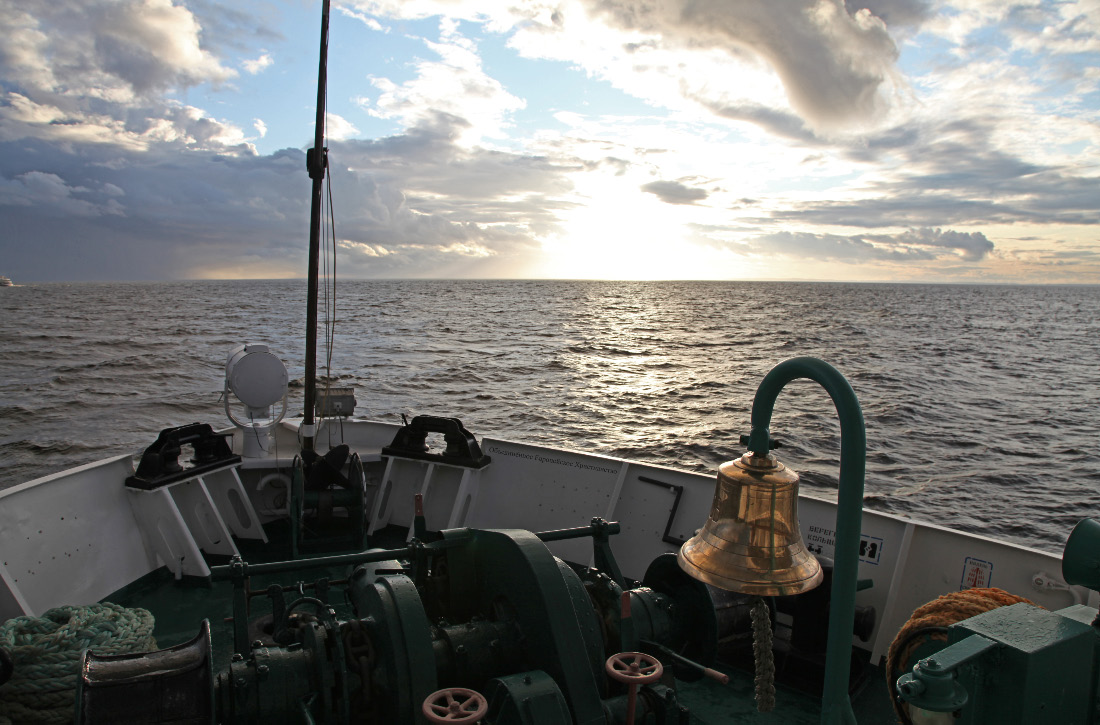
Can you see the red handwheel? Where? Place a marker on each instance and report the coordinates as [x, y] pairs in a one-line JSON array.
[[455, 706], [633, 669]]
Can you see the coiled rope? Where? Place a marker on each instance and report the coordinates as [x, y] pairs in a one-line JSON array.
[[930, 621], [46, 650]]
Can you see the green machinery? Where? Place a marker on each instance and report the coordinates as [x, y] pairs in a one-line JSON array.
[[467, 625], [1018, 664], [457, 626]]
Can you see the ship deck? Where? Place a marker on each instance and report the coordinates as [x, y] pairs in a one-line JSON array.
[[180, 606]]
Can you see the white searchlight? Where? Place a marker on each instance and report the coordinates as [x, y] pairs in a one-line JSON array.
[[258, 379]]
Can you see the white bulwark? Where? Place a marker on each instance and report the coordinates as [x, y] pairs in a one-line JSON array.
[[75, 537]]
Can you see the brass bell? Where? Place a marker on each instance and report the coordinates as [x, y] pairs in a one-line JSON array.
[[751, 542]]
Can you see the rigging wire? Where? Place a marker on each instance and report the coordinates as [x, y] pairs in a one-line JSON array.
[[330, 291], [330, 330], [328, 231]]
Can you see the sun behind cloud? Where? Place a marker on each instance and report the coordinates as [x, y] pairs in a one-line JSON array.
[[623, 232]]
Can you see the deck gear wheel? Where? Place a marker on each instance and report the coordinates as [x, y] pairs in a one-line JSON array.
[[403, 672], [634, 668], [455, 706]]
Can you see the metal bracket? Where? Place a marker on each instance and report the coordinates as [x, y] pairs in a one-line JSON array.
[[238, 573], [679, 491]]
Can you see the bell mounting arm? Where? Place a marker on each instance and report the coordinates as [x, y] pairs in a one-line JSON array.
[[316, 163], [835, 706]]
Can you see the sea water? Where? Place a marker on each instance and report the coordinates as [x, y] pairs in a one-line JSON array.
[[981, 402]]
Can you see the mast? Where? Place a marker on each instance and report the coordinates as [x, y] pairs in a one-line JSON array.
[[316, 163]]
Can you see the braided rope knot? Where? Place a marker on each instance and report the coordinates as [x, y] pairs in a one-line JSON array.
[[46, 654]]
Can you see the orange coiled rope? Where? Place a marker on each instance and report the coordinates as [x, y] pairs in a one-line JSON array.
[[931, 620]]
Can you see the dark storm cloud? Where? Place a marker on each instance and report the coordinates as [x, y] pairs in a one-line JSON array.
[[673, 192], [831, 62], [922, 244], [113, 180], [131, 214], [427, 204]]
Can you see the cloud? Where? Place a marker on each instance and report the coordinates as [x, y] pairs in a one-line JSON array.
[[777, 122], [364, 18], [673, 192], [422, 193], [257, 65], [228, 28], [149, 44], [895, 13], [109, 149], [413, 204], [831, 63], [500, 14], [1059, 28], [338, 128], [923, 244], [954, 171], [112, 212], [769, 103], [972, 246], [98, 71], [39, 188], [456, 84], [817, 246]]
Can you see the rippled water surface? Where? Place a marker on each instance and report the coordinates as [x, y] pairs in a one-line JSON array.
[[981, 403]]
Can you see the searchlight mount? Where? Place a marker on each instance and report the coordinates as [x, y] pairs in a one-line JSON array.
[[258, 379]]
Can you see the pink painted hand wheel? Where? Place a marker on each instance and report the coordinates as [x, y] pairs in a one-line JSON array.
[[455, 706], [634, 668]]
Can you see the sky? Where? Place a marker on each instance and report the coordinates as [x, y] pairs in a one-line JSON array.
[[857, 140]]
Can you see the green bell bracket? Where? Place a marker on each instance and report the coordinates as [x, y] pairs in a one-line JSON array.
[[835, 705]]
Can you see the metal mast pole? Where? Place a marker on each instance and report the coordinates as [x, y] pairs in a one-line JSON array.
[[316, 163]]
